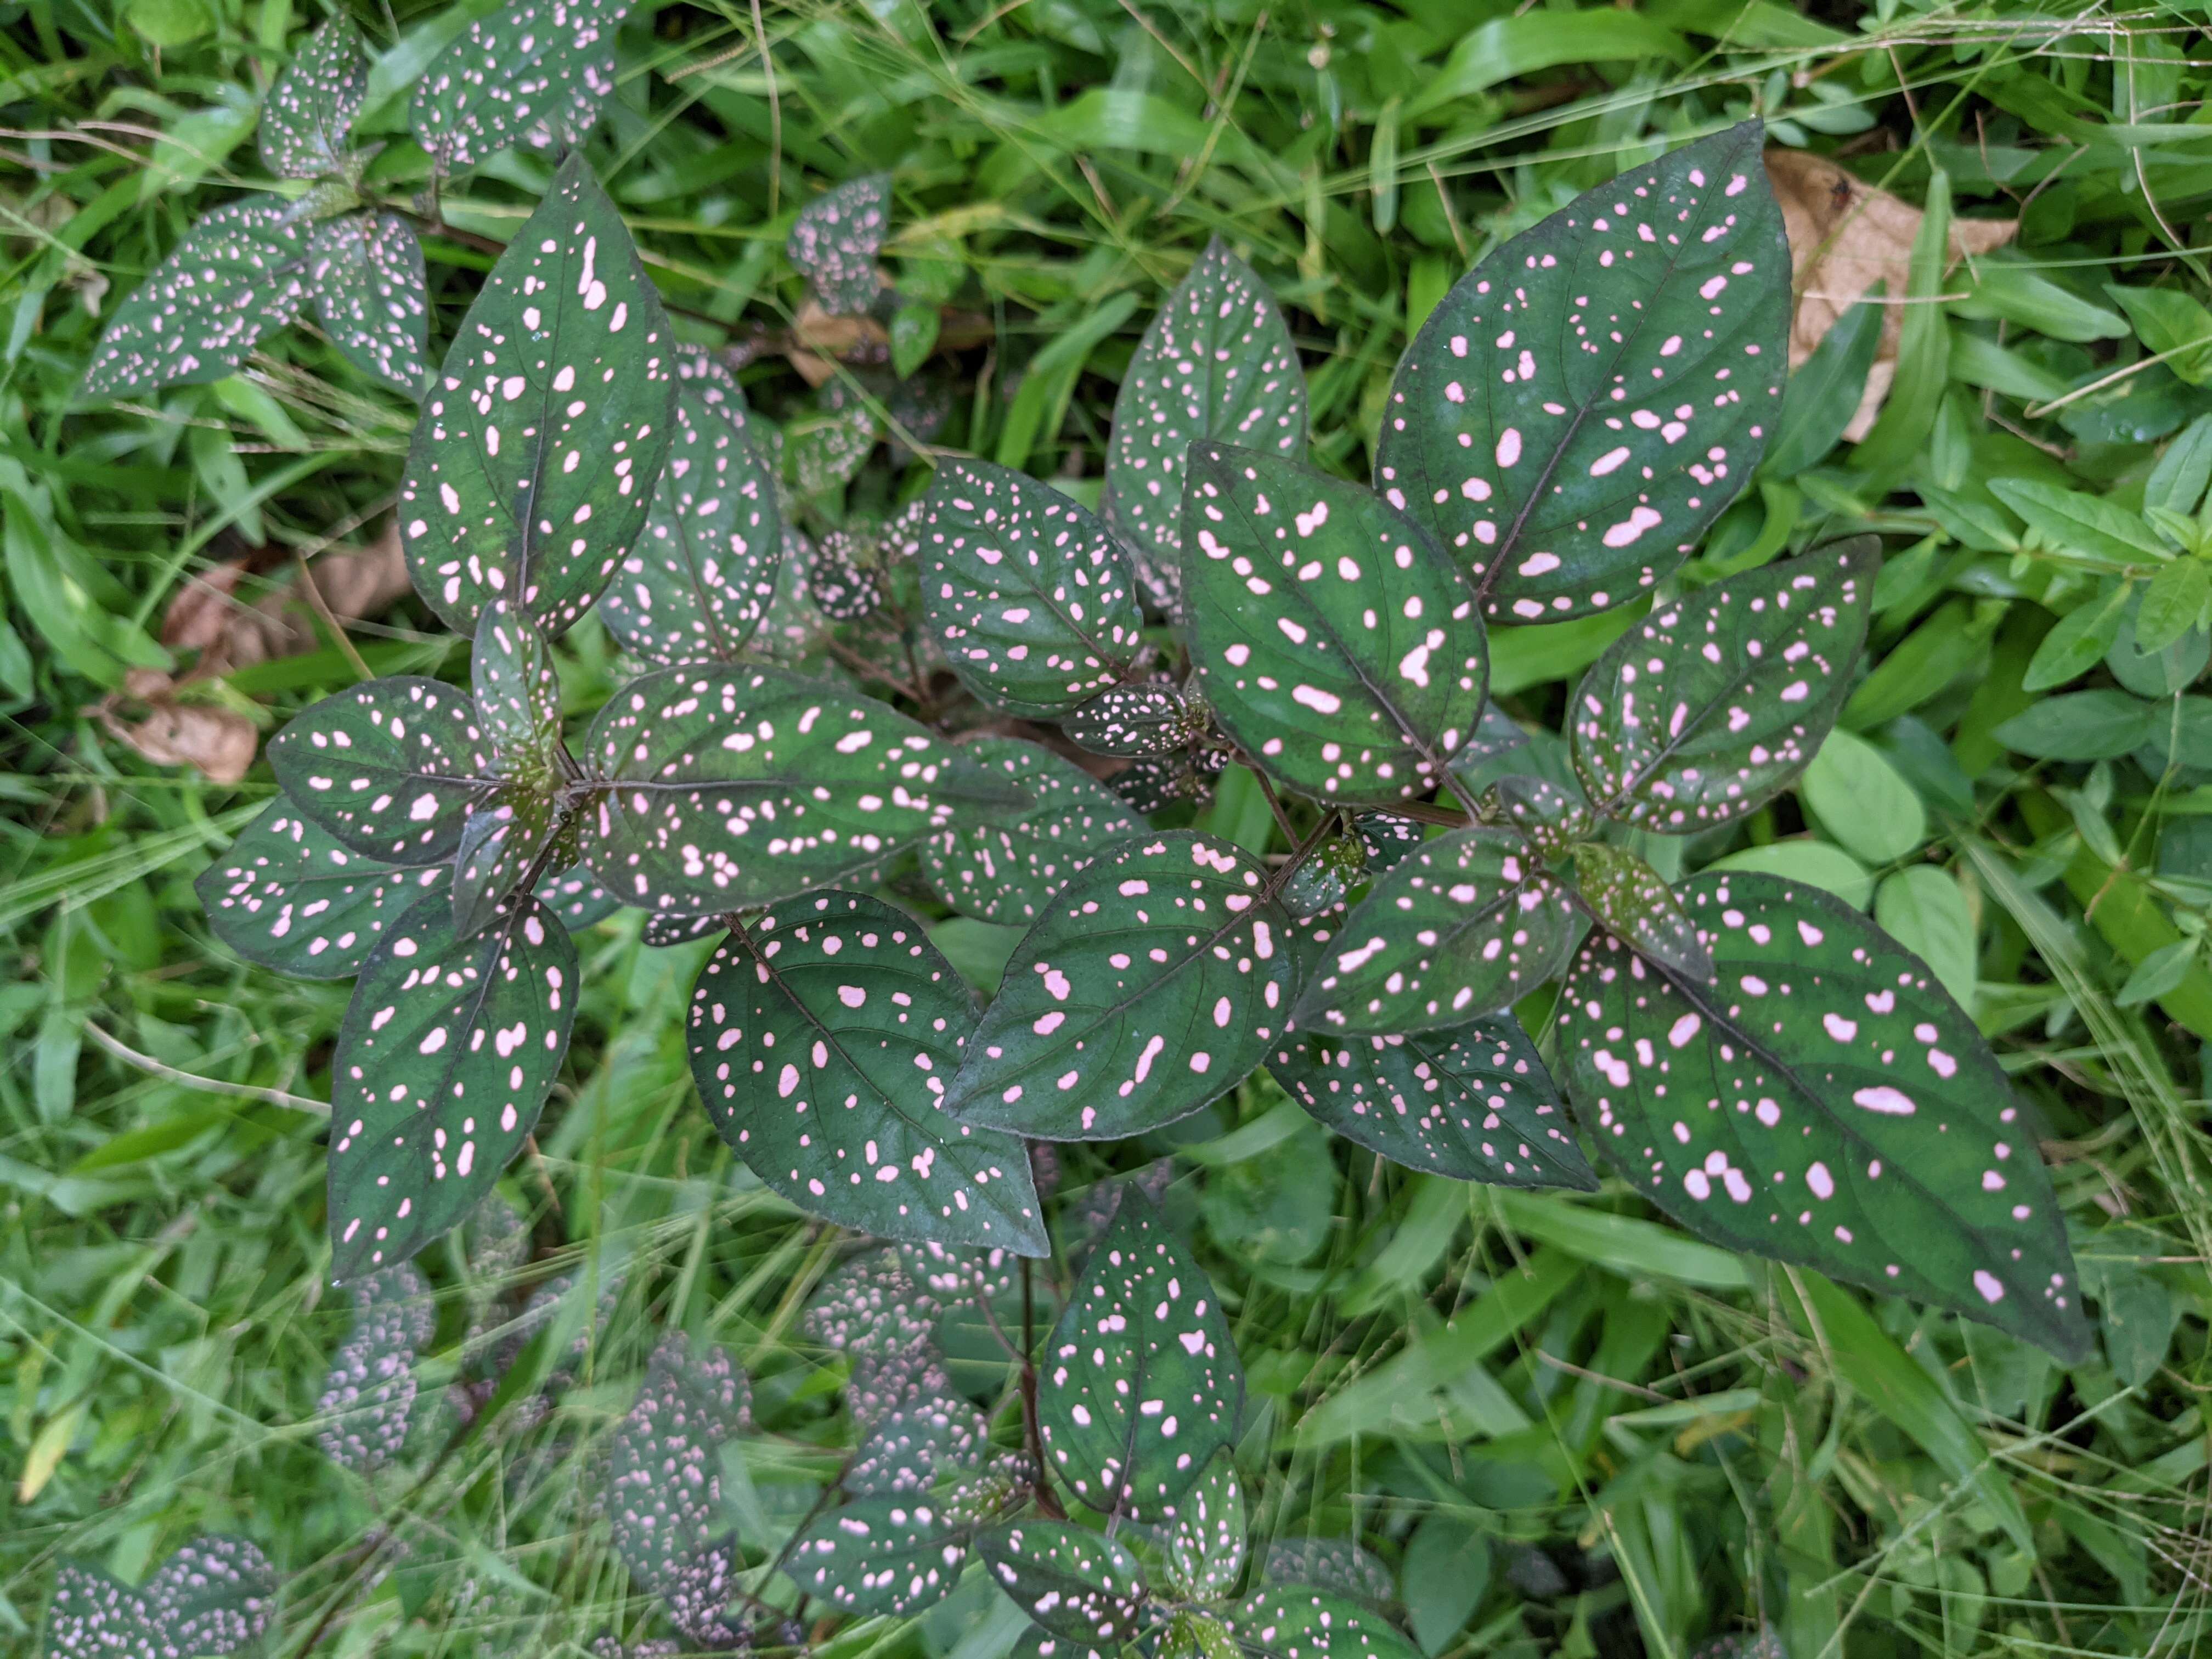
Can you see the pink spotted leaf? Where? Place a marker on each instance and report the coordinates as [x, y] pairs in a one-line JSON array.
[[1008, 871], [535, 72], [1580, 408], [664, 1496], [1306, 1621], [504, 841], [1148, 718], [1824, 1102], [390, 767], [308, 113], [835, 240], [890, 1555], [215, 1595], [1203, 1536], [1073, 1583], [369, 1397], [911, 1448], [372, 296], [1630, 901]]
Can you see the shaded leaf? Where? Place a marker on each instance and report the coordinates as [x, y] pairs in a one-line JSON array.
[[909, 1450], [735, 786], [1030, 596], [517, 693], [1073, 1584], [308, 113], [534, 72], [214, 1595], [1007, 872], [1578, 409], [390, 767], [1468, 925], [372, 296], [503, 842], [1553, 819], [1472, 1102], [823, 1034], [1301, 1621], [826, 447], [892, 1555], [946, 1274], [1139, 1385], [1824, 1102], [665, 932], [448, 1049], [665, 1476], [870, 1304], [842, 589], [1149, 718], [835, 238], [1339, 645], [1216, 363], [532, 469], [698, 581], [1204, 1539], [1630, 901], [1388, 838], [1152, 984], [1157, 782], [1329, 1563], [237, 274], [576, 900], [1704, 710], [369, 1396], [1327, 873]]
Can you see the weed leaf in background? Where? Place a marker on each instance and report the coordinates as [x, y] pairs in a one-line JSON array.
[[1578, 409], [1032, 600], [1468, 923], [665, 1480], [1073, 1584], [735, 786], [1139, 1385], [535, 72], [291, 895], [1824, 1102], [1472, 1102], [1304, 1621], [835, 238], [214, 1595], [697, 582], [1008, 871], [308, 113], [532, 469], [372, 295], [237, 274], [891, 1555], [823, 1034], [390, 767], [1152, 983], [368, 1399], [1217, 363], [1705, 709], [442, 1065], [1337, 643]]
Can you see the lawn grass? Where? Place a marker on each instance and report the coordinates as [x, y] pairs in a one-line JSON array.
[[1661, 1442]]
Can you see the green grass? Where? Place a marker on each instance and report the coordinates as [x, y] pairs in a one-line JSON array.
[[1662, 1442]]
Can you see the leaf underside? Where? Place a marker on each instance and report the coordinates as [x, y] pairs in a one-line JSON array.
[[442, 1065], [1339, 644], [1008, 873], [532, 469], [534, 72], [309, 112], [823, 1034], [1472, 1102], [372, 295], [391, 768], [1153, 983], [1579, 408], [1824, 1103]]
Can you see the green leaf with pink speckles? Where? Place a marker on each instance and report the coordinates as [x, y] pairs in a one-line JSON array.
[[1008, 870], [1472, 1102], [1579, 408], [734, 787], [1304, 1621], [369, 1397], [1630, 900], [238, 273], [1148, 717], [824, 1034], [1824, 1103], [1203, 1535], [893, 1556], [665, 1480], [533, 466], [1139, 1387], [391, 768], [1152, 984], [835, 238], [1708, 707], [1217, 363], [372, 295], [1339, 645], [215, 1595], [1469, 923], [504, 839], [534, 72], [1030, 597], [1073, 1583], [697, 583], [308, 113], [443, 1062]]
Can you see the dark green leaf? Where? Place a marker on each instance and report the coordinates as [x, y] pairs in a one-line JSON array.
[[576, 898], [1580, 408], [442, 1065], [1388, 838], [823, 1033], [533, 466], [1553, 817], [1472, 1102], [736, 787], [369, 1395], [664, 933], [1217, 363], [534, 72], [1204, 1532], [1073, 1584], [1157, 782], [892, 1556], [1442, 1579], [517, 693], [1030, 597], [1008, 871], [1301, 1621], [1824, 1102], [306, 116], [292, 896], [372, 296], [503, 842], [1149, 718], [665, 1479], [835, 238], [238, 273], [1152, 984], [1328, 872], [946, 1274], [1339, 645], [2083, 726], [697, 583], [909, 1450], [390, 767], [2172, 604], [1707, 708], [1139, 1385], [214, 1595], [1630, 899], [826, 447], [1468, 925]]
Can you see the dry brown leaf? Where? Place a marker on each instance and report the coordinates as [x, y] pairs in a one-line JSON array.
[[219, 744], [1845, 237]]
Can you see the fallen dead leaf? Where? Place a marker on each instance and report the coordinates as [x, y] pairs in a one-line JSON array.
[[1845, 237], [219, 744]]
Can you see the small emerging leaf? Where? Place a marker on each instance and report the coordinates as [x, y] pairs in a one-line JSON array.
[[503, 839], [835, 238], [1554, 819], [1629, 900], [372, 296], [1009, 872], [237, 274], [517, 693], [308, 114], [1302, 1621], [534, 72], [1389, 839], [391, 768], [891, 1556], [1073, 1584]]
